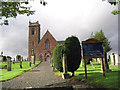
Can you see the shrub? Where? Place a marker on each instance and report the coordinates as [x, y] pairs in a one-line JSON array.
[[57, 57], [4, 59], [18, 57], [73, 53]]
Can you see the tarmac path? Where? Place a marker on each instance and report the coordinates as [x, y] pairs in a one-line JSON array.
[[40, 76]]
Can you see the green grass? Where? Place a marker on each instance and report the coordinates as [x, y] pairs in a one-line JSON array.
[[15, 70], [96, 78]]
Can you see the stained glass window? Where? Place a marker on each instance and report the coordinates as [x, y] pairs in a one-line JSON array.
[[47, 44]]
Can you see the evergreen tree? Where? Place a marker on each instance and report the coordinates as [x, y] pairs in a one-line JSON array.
[[100, 36], [73, 53]]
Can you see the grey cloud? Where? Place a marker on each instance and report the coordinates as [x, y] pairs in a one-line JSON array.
[[61, 24]]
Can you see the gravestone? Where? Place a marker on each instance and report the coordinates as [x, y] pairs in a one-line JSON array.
[[98, 60], [112, 58], [92, 64], [1, 58], [30, 64], [22, 58], [65, 75], [116, 58], [21, 64], [8, 63], [14, 61], [18, 58], [32, 58]]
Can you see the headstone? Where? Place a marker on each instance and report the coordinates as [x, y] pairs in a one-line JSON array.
[[8, 63], [98, 60], [14, 61], [22, 58], [92, 64], [21, 64], [116, 59], [32, 57], [30, 64], [65, 75], [1, 58], [95, 60], [112, 58]]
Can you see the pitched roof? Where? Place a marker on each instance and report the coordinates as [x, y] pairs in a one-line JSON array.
[[61, 42]]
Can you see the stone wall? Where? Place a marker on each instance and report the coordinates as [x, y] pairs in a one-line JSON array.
[[39, 45]]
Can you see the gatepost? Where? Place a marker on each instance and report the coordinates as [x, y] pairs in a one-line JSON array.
[[8, 63], [65, 75]]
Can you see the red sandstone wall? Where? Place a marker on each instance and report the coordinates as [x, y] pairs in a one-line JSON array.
[[35, 38], [41, 46]]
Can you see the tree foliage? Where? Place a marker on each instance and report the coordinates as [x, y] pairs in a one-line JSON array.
[[73, 53], [114, 2], [57, 57], [13, 9], [100, 36], [4, 59]]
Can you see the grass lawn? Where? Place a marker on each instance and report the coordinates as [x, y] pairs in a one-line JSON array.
[[96, 78], [15, 70]]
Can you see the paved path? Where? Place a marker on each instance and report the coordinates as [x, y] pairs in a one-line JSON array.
[[38, 77]]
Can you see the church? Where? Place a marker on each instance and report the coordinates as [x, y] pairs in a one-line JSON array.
[[42, 48]]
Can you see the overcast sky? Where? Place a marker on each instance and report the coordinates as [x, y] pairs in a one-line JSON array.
[[62, 18]]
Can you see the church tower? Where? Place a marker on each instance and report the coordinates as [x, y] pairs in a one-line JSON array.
[[34, 37]]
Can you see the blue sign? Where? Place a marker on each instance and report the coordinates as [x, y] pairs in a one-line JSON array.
[[92, 49]]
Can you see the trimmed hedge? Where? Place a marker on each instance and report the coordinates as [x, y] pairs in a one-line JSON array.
[[57, 57]]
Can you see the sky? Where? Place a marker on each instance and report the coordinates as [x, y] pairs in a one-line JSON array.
[[62, 18]]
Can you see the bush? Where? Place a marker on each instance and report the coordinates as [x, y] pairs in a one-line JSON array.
[[18, 57], [4, 59], [88, 61], [73, 53], [57, 57]]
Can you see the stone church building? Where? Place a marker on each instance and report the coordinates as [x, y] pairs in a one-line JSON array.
[[42, 48]]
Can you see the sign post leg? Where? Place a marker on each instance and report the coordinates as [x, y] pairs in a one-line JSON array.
[[103, 69], [85, 68]]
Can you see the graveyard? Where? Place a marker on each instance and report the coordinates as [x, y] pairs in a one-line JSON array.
[[95, 77], [64, 45], [15, 69]]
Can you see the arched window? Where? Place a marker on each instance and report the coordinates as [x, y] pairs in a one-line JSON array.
[[47, 44], [41, 57], [32, 43], [32, 31]]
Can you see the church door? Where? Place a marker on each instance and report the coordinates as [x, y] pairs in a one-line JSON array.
[[48, 59]]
